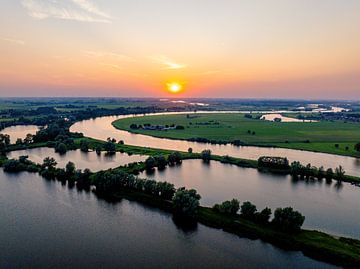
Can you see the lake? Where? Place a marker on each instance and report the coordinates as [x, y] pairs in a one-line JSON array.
[[332, 208], [44, 224]]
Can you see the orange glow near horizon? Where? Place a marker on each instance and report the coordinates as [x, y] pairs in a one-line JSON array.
[[261, 51], [174, 87]]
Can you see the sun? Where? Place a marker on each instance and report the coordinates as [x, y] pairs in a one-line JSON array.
[[174, 87]]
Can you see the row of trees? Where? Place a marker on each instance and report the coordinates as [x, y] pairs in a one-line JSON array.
[[49, 170], [185, 202], [161, 162], [297, 169], [284, 218]]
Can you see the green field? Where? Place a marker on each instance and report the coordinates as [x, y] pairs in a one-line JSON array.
[[322, 136]]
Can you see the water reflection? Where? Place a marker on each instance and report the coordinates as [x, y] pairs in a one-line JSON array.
[[81, 159], [46, 225], [19, 131], [331, 207]]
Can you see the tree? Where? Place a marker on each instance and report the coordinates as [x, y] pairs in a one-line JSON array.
[[357, 147], [228, 207], [329, 174], [263, 216], [186, 202], [28, 139], [248, 210], [206, 155], [133, 126], [160, 161], [339, 172], [5, 138], [174, 158], [84, 145], [49, 163], [190, 150], [287, 219], [61, 148], [48, 168], [110, 146], [70, 169], [166, 190], [98, 149], [150, 163], [3, 148]]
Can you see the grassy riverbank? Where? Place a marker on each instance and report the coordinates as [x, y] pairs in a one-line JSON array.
[[93, 143], [339, 251], [315, 136]]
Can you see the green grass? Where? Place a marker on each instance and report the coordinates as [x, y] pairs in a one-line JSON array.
[[322, 135]]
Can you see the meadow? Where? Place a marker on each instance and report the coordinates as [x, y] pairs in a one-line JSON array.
[[334, 137]]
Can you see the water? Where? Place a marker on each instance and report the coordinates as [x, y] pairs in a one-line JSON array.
[[101, 128], [81, 159], [19, 131], [272, 117], [331, 208], [46, 225]]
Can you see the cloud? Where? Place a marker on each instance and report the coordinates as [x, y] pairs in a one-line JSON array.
[[167, 62], [91, 8], [14, 41], [77, 10], [115, 66], [105, 54]]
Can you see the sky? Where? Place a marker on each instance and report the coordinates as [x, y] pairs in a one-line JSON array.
[[229, 48]]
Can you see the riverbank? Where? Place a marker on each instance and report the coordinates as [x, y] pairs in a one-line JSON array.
[[226, 128], [139, 167], [341, 251]]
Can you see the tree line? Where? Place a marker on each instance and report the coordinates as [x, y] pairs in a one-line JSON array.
[[185, 202], [285, 219]]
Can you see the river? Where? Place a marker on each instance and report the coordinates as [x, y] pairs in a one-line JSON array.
[[329, 207], [44, 224], [82, 160], [101, 128]]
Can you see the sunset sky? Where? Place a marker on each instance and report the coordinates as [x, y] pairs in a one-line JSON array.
[[211, 48]]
